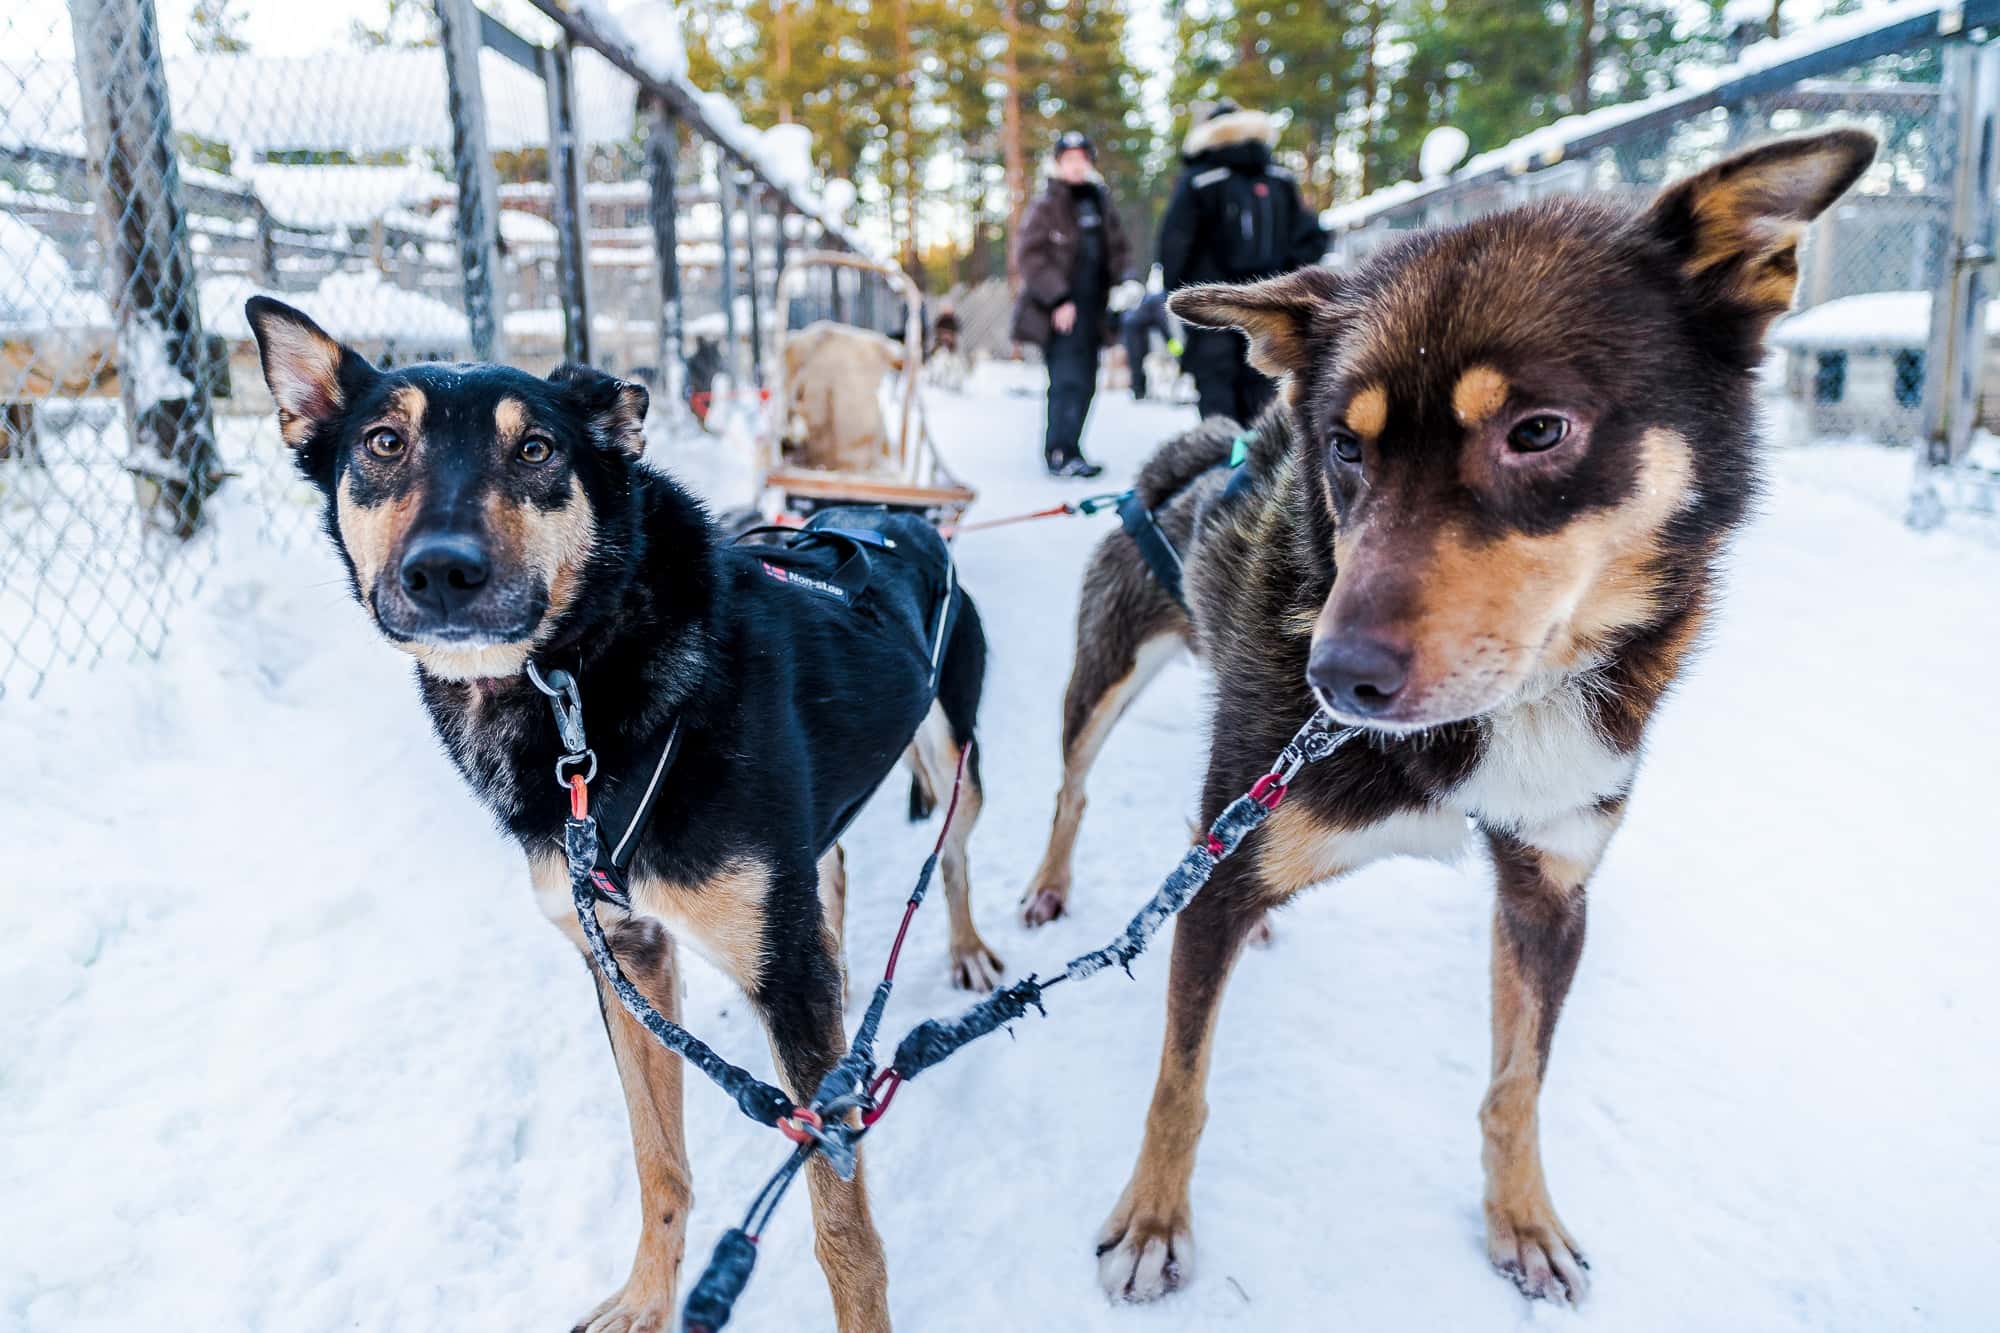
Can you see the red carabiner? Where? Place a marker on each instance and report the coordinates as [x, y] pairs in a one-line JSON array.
[[881, 1092], [797, 1132], [579, 797], [1268, 791]]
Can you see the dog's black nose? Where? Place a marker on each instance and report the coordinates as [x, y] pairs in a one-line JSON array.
[[442, 572], [1358, 674]]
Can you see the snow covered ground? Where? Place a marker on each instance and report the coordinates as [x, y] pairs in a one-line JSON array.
[[285, 1045]]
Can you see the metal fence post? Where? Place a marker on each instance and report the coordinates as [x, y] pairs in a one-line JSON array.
[[662, 151], [266, 262], [571, 213], [780, 246], [751, 193], [1970, 112], [725, 194], [472, 165], [163, 368]]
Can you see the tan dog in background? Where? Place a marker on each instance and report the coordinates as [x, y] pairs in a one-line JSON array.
[[833, 373]]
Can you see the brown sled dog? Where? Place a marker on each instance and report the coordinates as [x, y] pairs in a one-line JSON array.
[[1523, 443]]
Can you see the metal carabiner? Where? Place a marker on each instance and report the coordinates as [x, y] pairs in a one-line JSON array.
[[566, 702], [1314, 741]]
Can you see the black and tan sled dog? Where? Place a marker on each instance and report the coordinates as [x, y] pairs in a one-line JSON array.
[[1523, 444], [488, 518]]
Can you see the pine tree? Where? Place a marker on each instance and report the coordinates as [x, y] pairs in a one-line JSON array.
[[215, 26], [1076, 74], [891, 89], [402, 23]]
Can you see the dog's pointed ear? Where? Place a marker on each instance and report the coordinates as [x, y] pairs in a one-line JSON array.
[[1735, 227], [1277, 315], [617, 408], [309, 374]]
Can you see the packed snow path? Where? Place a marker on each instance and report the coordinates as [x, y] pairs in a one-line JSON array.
[[287, 1046]]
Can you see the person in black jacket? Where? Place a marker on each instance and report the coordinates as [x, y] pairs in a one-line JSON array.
[[1136, 328], [1234, 217], [1070, 252]]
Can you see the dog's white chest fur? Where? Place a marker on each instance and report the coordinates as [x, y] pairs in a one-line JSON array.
[[1543, 760]]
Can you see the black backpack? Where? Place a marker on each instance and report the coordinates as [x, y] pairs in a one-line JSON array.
[[1252, 216]]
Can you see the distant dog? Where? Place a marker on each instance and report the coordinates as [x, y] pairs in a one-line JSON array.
[[833, 376], [488, 518], [1523, 444]]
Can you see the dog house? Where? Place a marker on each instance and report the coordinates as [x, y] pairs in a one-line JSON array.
[[1855, 365]]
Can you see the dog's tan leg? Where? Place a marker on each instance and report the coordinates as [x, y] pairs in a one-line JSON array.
[[833, 905], [973, 965], [802, 1014], [1537, 938], [848, 1249], [651, 1077], [1112, 668], [1146, 1247]]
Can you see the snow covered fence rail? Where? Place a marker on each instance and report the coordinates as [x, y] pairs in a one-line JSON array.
[[1892, 341]]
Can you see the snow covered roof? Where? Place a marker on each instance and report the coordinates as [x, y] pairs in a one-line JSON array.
[[338, 196], [1808, 50], [1872, 320], [42, 297], [1879, 319], [41, 293], [430, 226], [361, 307], [545, 323], [358, 101], [518, 227], [394, 100]]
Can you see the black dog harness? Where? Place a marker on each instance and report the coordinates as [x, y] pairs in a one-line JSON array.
[[821, 559], [1154, 548], [1144, 528]]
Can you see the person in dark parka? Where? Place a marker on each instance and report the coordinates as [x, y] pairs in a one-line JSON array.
[[1234, 217], [1070, 252], [1137, 327]]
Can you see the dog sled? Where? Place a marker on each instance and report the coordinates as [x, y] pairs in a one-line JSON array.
[[826, 442]]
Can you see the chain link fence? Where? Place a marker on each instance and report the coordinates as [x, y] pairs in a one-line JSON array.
[[152, 181]]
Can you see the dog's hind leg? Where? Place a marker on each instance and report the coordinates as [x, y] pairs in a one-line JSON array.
[[798, 995], [973, 966], [1537, 938], [833, 906], [946, 735], [1127, 628]]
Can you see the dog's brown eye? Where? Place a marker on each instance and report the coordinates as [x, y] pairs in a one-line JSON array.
[[1346, 446], [535, 449], [1534, 435], [384, 443]]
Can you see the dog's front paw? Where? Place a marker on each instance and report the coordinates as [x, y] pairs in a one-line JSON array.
[[975, 967], [1145, 1253], [1043, 904], [1531, 1247], [631, 1312]]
